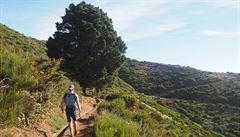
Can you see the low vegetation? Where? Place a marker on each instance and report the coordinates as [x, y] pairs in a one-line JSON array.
[[211, 116], [32, 85], [111, 125], [153, 78], [153, 120], [209, 99]]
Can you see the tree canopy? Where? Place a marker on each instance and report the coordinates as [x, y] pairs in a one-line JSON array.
[[90, 49]]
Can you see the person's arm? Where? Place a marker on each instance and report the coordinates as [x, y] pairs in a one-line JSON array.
[[79, 105]]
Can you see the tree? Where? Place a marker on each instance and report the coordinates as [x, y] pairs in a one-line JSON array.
[[89, 47]]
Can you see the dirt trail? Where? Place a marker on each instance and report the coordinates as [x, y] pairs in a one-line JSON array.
[[43, 129], [85, 123]]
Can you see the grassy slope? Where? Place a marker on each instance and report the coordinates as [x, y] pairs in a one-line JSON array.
[[35, 83], [221, 118], [153, 78], [38, 99], [181, 82], [215, 90], [127, 106]]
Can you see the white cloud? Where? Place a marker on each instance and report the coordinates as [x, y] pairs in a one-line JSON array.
[[136, 20], [215, 3], [214, 33], [225, 3], [153, 30], [126, 14]]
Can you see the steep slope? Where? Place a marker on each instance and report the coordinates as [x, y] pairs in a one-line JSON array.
[[181, 82], [125, 113], [17, 41], [31, 86], [153, 78], [210, 99], [221, 118]]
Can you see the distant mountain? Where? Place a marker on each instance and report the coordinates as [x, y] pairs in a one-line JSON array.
[[208, 98], [181, 82]]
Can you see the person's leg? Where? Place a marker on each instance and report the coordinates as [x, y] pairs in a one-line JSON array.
[[74, 117], [68, 114], [70, 128], [75, 127]]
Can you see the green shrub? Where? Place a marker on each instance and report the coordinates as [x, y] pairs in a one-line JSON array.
[[146, 122], [130, 100], [109, 125], [117, 106], [113, 96], [15, 68], [104, 105], [10, 106], [56, 122]]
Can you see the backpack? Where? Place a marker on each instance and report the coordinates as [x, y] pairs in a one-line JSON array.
[[70, 99]]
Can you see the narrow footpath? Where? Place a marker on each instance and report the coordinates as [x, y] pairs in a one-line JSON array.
[[85, 122]]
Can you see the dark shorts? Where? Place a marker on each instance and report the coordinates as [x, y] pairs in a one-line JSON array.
[[71, 113]]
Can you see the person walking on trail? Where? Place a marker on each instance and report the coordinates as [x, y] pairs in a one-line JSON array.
[[71, 100]]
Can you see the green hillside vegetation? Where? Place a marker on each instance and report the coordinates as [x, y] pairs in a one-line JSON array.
[[30, 83], [154, 78], [13, 40], [221, 118], [15, 74], [17, 68], [128, 108], [211, 101], [36, 90], [223, 92], [181, 82]]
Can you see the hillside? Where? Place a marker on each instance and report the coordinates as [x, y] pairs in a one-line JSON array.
[[32, 86], [181, 82], [210, 99], [135, 115], [153, 78], [30, 83]]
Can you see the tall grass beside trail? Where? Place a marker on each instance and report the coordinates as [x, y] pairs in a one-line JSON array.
[[16, 74], [31, 85], [110, 125], [56, 120], [150, 123], [16, 69], [10, 107]]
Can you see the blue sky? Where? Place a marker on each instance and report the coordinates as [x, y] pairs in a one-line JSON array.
[[204, 34]]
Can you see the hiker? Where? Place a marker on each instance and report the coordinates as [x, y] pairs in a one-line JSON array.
[[71, 101]]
